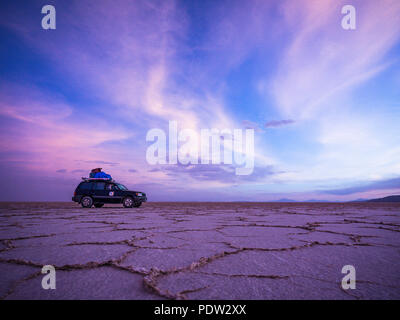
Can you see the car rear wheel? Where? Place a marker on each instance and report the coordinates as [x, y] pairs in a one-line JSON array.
[[98, 205], [87, 202], [128, 202]]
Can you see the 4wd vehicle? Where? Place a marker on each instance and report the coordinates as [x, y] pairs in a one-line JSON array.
[[99, 191]]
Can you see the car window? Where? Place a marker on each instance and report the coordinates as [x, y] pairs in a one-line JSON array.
[[85, 186], [121, 186], [111, 186], [99, 186]]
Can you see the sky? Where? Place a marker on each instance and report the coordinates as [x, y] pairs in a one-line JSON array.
[[324, 102]]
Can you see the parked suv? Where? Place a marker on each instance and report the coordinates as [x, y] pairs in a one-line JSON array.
[[97, 192]]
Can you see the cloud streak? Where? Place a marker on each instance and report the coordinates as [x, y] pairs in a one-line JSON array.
[[278, 123], [371, 186], [321, 59]]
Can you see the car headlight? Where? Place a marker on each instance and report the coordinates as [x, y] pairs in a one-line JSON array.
[[139, 194]]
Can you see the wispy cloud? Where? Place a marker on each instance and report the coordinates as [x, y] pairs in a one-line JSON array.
[[278, 123], [368, 186], [321, 59], [224, 174]]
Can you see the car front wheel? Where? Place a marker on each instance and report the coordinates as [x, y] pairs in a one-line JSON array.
[[87, 202], [128, 202]]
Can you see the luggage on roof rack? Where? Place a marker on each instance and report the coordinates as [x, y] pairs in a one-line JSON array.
[[97, 173]]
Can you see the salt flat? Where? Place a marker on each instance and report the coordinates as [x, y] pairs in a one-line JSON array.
[[200, 250]]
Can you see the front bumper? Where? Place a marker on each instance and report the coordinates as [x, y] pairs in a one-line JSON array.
[[141, 198]]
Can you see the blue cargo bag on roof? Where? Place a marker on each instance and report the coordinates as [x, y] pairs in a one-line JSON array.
[[102, 175]]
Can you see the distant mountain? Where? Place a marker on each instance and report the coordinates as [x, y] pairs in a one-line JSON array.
[[291, 200], [360, 200], [395, 198], [285, 200]]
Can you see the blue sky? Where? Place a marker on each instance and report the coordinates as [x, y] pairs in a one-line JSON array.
[[324, 101]]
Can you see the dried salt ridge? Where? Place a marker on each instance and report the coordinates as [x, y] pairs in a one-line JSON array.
[[200, 250]]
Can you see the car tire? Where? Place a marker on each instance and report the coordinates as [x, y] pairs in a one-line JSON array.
[[138, 204], [87, 202], [128, 202], [98, 205]]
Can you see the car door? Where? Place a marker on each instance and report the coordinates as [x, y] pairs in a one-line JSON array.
[[99, 192], [113, 193]]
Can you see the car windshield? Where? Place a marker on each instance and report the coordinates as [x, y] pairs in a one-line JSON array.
[[121, 186]]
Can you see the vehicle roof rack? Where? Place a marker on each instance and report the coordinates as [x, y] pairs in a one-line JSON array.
[[97, 179]]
